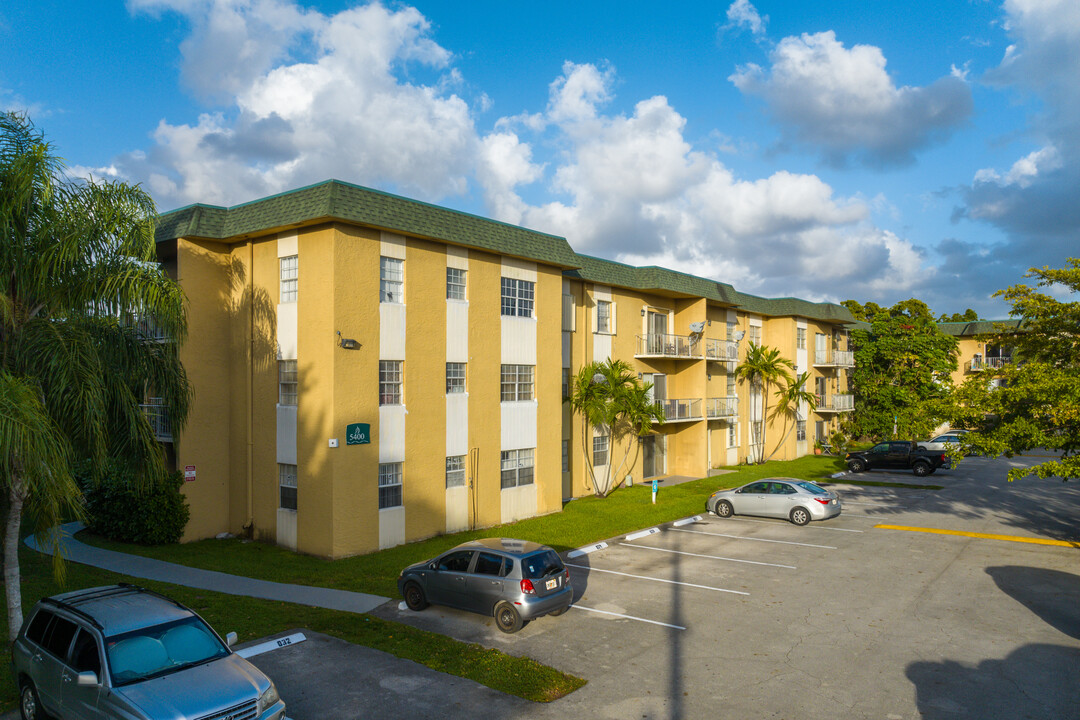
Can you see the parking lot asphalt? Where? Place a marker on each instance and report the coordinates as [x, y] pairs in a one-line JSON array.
[[745, 617]]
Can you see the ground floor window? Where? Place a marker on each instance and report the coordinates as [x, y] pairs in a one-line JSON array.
[[800, 430], [600, 450], [566, 456], [389, 485], [455, 471], [287, 487], [517, 468], [732, 435]]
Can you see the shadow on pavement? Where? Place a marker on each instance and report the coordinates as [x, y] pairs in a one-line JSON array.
[[1053, 595]]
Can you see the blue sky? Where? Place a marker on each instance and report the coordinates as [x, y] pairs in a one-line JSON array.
[[874, 151]]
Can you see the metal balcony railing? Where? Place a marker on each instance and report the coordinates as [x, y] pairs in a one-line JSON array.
[[147, 328], [979, 363], [837, 358], [661, 345], [680, 410], [159, 419], [835, 403], [722, 350], [722, 407]]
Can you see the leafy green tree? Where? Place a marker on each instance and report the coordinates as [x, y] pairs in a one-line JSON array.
[[863, 312], [763, 368], [609, 396], [902, 375], [788, 399], [79, 270], [1036, 404], [968, 315]]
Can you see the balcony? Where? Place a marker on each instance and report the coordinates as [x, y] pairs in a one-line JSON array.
[[725, 351], [981, 364], [148, 329], [681, 410], [159, 419], [722, 407], [656, 345], [835, 403], [835, 359]]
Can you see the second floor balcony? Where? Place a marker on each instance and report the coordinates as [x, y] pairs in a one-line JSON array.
[[725, 351], [668, 346], [159, 419], [835, 403], [681, 410], [834, 358], [722, 407], [981, 364]]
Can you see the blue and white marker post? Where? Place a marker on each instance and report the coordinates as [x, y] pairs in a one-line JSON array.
[[655, 486]]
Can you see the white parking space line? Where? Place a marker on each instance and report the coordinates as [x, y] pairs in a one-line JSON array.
[[662, 580], [628, 617], [710, 557], [778, 524], [741, 537]]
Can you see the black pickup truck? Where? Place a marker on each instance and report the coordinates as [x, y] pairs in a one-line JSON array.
[[896, 455]]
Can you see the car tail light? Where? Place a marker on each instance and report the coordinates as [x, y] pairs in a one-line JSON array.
[[527, 587], [566, 574], [824, 501]]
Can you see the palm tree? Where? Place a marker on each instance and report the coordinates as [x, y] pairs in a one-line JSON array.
[[80, 277], [762, 367], [611, 398], [788, 400]]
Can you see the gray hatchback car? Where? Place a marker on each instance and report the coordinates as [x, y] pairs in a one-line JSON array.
[[124, 652], [512, 580]]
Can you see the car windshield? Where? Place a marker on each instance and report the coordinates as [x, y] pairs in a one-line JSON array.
[[161, 649], [812, 488], [541, 565]]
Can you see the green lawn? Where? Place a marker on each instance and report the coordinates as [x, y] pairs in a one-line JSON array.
[[581, 522], [252, 618]]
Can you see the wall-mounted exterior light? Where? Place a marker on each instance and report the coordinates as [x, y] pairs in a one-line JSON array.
[[348, 343]]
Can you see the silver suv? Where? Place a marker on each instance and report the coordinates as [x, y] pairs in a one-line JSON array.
[[124, 652]]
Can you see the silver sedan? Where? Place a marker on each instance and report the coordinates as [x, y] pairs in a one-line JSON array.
[[799, 501]]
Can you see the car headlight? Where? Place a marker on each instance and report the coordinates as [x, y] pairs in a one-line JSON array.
[[268, 698]]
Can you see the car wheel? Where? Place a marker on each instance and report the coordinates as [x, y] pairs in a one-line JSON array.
[[921, 469], [800, 516], [856, 466], [724, 509], [29, 705], [560, 611], [507, 618], [920, 447], [415, 599]]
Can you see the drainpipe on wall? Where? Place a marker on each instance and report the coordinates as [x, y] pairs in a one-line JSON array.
[[249, 526]]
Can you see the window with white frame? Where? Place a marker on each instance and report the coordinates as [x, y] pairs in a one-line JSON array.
[[517, 383], [731, 331], [455, 283], [517, 468], [290, 274], [517, 297], [603, 316], [287, 487], [600, 450], [731, 384], [391, 280], [566, 456], [800, 338], [389, 485], [755, 334], [732, 435], [800, 430], [287, 382], [455, 471], [390, 382], [455, 378]]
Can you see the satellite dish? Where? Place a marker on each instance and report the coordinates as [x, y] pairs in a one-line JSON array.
[[697, 328], [740, 335]]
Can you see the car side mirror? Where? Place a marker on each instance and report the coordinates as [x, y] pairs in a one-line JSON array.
[[230, 639], [87, 678], [433, 566]]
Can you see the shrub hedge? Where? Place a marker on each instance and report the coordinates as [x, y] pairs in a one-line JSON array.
[[121, 508]]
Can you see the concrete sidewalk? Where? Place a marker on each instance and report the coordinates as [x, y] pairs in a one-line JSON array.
[[161, 571]]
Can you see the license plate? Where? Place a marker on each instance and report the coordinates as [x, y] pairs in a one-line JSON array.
[[552, 584]]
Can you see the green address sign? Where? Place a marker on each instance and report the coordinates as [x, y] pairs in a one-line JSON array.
[[358, 434]]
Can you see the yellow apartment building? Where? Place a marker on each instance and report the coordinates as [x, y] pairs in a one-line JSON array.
[[371, 370], [975, 356]]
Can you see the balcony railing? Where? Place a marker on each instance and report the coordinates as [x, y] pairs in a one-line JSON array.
[[722, 350], [722, 407], [839, 358], [159, 419], [660, 345], [147, 328], [835, 403], [680, 410], [979, 363]]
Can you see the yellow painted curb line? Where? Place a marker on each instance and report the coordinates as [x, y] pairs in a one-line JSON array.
[[985, 536]]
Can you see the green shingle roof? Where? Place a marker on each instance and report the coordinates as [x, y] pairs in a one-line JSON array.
[[979, 327], [335, 200], [665, 281]]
